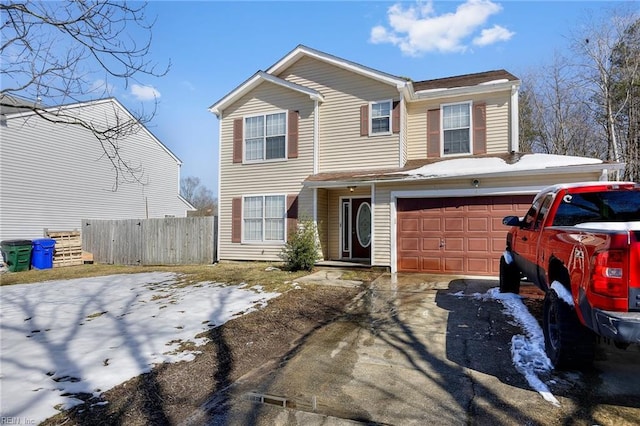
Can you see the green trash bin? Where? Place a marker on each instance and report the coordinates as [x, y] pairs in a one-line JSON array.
[[16, 254]]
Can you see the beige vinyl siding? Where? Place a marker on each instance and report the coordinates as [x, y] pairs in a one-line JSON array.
[[54, 175], [382, 228], [272, 177], [403, 134], [498, 119], [341, 146], [323, 223], [417, 130]]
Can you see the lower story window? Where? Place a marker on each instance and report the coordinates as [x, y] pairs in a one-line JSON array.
[[264, 218]]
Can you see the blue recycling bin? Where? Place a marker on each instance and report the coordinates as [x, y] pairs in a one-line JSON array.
[[42, 253]]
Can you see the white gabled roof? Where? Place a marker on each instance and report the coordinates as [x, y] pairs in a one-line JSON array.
[[302, 51], [293, 56], [254, 81]]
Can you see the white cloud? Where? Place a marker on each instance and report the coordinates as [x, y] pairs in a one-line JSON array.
[[418, 29], [493, 35], [144, 93]]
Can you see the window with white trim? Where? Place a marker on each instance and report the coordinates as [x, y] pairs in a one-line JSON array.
[[263, 218], [381, 117], [265, 137], [456, 128]]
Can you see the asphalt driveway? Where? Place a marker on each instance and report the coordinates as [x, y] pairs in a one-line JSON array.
[[420, 349]]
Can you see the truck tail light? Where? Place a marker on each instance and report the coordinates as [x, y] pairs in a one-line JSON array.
[[609, 273]]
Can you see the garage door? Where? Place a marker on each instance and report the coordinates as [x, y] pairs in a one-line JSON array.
[[454, 235]]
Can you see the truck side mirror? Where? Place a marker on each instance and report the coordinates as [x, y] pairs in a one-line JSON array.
[[511, 221]]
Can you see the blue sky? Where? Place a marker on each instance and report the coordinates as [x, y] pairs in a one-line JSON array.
[[214, 46]]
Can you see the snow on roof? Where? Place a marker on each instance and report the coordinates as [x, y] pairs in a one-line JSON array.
[[437, 89], [467, 166], [442, 89], [500, 80]]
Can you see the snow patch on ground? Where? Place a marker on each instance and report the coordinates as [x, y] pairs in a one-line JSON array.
[[527, 351], [88, 335]]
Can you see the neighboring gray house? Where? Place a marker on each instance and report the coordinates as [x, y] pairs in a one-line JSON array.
[[54, 175]]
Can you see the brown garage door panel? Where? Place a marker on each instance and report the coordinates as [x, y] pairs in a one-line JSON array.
[[480, 266], [453, 224], [453, 264], [409, 244], [478, 224], [410, 224], [478, 245], [430, 243], [431, 264], [454, 244], [454, 235], [409, 264]]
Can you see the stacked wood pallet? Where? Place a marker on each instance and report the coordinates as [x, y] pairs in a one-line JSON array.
[[68, 250]]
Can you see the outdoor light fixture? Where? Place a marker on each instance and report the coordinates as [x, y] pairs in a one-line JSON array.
[[475, 183], [351, 188]]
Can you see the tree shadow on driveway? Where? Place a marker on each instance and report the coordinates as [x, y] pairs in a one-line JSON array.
[[479, 338], [478, 332]]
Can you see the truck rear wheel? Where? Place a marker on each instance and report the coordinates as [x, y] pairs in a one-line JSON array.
[[569, 344], [509, 277]]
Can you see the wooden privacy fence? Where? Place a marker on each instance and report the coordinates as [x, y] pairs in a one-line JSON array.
[[169, 241]]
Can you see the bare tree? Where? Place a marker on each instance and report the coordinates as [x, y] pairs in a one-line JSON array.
[[556, 119], [527, 125], [63, 52], [199, 196], [626, 98], [594, 45]]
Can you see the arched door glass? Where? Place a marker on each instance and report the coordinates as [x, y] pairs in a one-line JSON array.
[[363, 221]]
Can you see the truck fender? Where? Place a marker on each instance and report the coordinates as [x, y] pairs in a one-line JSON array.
[[557, 271], [559, 276]]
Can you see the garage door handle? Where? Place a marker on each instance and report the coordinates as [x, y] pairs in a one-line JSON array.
[[441, 242], [524, 238]]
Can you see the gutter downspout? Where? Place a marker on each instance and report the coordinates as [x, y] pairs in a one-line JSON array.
[[316, 142], [373, 223], [316, 154], [403, 115], [217, 242], [515, 124]]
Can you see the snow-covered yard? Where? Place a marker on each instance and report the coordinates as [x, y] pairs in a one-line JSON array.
[[60, 338]]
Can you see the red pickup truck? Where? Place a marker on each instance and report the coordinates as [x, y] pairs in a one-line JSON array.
[[580, 244]]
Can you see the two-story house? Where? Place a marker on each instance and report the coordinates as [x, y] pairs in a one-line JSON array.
[[412, 175]]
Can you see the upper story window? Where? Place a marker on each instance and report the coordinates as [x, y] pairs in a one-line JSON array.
[[381, 117], [264, 218], [265, 137], [456, 128]]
